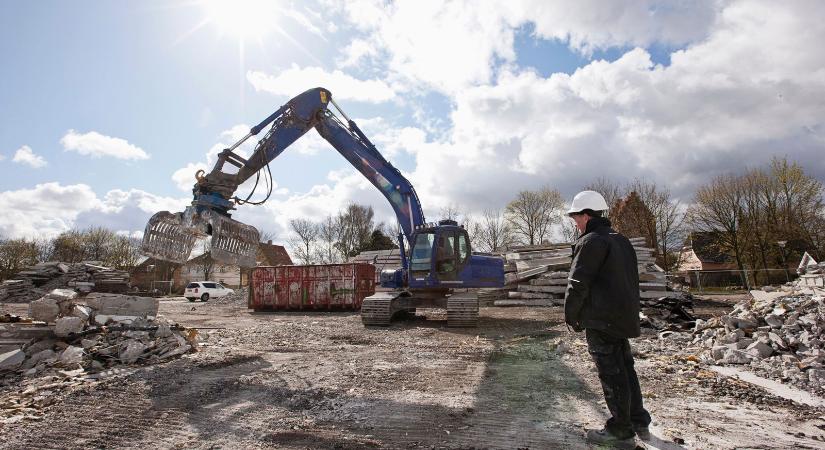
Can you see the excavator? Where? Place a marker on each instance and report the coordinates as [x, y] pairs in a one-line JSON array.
[[440, 257]]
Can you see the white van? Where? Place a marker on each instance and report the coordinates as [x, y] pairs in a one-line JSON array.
[[204, 290]]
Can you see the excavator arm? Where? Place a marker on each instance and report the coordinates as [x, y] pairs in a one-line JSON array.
[[171, 236]]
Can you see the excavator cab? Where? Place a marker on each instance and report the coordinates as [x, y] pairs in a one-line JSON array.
[[439, 255]]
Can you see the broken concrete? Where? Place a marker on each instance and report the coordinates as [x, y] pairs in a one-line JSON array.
[[65, 326], [12, 360], [122, 305]]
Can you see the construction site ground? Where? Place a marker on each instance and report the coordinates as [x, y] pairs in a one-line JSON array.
[[320, 380]]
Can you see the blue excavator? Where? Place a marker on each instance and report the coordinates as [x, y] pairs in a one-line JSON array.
[[437, 258]]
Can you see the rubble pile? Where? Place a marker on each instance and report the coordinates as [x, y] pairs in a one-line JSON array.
[[239, 297], [108, 330], [779, 334], [83, 277]]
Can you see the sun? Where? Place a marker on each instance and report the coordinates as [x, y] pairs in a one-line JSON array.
[[243, 19]]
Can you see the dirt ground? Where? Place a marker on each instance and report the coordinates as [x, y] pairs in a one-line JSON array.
[[320, 380]]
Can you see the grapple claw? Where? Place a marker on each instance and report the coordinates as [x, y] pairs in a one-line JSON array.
[[171, 237], [233, 242], [167, 237]]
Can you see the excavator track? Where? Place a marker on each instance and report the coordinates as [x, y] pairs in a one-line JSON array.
[[462, 310], [377, 310]]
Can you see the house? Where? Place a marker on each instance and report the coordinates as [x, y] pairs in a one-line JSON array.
[[157, 274], [703, 263], [269, 254], [204, 267], [702, 253]]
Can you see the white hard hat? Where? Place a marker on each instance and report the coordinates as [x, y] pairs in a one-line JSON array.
[[587, 200]]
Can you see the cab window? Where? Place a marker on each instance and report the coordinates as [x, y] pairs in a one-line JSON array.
[[209, 285], [463, 248], [445, 259], [422, 252]]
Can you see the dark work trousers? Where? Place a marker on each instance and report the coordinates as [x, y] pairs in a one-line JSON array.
[[619, 382]]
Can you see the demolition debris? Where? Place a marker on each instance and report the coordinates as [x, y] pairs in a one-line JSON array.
[[42, 278], [780, 334], [70, 339]]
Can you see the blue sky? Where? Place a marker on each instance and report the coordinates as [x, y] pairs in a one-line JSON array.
[[473, 101]]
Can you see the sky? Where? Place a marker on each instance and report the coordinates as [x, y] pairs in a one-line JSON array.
[[107, 109]]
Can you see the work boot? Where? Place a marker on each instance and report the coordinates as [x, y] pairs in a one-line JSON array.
[[605, 437], [642, 431]]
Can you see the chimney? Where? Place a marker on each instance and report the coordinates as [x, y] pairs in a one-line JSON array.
[[269, 242]]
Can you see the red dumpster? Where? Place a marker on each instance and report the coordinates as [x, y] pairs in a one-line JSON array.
[[324, 287]]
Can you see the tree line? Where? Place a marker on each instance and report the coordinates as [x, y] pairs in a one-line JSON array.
[[72, 246], [338, 237]]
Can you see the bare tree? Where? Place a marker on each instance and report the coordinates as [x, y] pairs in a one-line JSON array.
[[97, 243], [267, 235], [124, 252], [492, 233], [15, 255], [451, 212], [532, 214], [668, 219], [204, 263], [329, 232], [306, 237], [68, 247], [45, 248], [718, 207], [356, 229], [610, 190]]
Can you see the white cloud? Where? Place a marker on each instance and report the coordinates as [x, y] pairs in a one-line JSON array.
[[51, 208], [98, 145], [294, 80], [25, 155], [679, 125], [592, 24]]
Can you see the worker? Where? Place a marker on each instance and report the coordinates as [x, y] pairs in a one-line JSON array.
[[602, 299]]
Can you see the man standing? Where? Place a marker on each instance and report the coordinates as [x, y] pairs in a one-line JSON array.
[[603, 299]]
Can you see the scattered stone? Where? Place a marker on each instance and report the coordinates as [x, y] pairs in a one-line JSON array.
[[12, 360], [44, 310], [65, 326], [72, 355]]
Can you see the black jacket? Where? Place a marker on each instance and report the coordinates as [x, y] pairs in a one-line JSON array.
[[603, 288]]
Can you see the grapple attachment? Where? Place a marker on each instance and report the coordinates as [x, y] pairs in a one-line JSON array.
[[171, 237], [167, 238]]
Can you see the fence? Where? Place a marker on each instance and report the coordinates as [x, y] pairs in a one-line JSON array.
[[701, 280]]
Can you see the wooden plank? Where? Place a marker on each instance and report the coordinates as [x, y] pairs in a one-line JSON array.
[[550, 289], [549, 281], [557, 262], [526, 302]]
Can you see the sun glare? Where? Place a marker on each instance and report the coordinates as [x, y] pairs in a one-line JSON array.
[[243, 19]]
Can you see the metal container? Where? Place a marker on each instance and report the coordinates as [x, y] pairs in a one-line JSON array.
[[326, 287]]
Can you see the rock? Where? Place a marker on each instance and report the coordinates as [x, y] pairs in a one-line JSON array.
[[122, 305], [12, 360], [743, 343], [163, 331], [62, 295], [83, 312], [774, 321], [733, 356], [41, 356], [39, 346], [65, 326], [72, 355], [89, 343], [732, 337], [767, 297], [44, 309], [760, 350], [102, 319], [132, 352], [718, 352]]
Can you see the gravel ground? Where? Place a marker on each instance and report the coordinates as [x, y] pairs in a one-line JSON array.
[[320, 380]]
